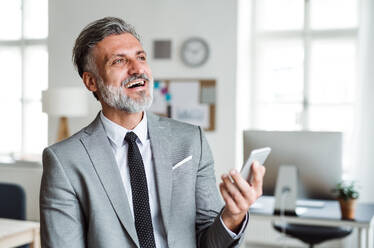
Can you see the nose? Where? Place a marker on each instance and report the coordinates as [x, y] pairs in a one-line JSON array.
[[135, 68]]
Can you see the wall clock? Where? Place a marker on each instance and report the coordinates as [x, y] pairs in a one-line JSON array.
[[195, 52]]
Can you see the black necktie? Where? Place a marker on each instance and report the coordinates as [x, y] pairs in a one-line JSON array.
[[139, 189]]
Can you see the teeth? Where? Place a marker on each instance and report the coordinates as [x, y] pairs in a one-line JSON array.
[[129, 85]]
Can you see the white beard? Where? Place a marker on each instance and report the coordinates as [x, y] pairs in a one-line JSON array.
[[116, 97]]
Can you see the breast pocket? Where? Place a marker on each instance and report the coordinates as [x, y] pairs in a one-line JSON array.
[[185, 166]]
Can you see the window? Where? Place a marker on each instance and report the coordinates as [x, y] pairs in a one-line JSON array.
[[304, 66], [24, 74]]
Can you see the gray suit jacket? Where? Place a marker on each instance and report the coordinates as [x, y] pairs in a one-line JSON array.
[[83, 202]]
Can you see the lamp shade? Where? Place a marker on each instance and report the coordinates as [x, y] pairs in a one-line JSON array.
[[65, 101]]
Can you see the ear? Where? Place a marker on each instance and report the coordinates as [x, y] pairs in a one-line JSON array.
[[89, 81]]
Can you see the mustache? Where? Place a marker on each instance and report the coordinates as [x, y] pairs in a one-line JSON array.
[[132, 78]]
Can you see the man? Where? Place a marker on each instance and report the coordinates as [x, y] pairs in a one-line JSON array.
[[131, 178]]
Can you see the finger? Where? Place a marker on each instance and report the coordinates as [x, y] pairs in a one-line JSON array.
[[234, 192], [249, 193], [258, 172], [230, 203], [241, 183]]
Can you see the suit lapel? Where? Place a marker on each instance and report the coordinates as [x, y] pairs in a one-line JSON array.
[[101, 154], [159, 134]]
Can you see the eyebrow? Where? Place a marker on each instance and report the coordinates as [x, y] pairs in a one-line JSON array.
[[141, 52], [124, 55]]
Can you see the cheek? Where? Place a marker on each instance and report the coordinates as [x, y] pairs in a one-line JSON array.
[[148, 72], [115, 76]]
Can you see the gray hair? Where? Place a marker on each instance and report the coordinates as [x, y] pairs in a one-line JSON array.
[[92, 34]]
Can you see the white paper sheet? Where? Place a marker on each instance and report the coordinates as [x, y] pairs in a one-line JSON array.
[[184, 93], [208, 95], [197, 114]]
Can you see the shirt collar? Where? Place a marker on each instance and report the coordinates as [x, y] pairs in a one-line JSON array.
[[117, 133]]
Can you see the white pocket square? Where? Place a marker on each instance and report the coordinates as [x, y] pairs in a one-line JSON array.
[[182, 162]]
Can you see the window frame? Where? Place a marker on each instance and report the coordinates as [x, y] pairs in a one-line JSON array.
[[306, 35], [23, 43]]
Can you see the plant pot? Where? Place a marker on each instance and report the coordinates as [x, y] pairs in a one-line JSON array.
[[347, 208]]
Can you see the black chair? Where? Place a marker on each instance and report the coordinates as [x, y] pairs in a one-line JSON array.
[[313, 235], [13, 202]]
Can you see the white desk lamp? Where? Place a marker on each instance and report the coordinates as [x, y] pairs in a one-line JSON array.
[[65, 102]]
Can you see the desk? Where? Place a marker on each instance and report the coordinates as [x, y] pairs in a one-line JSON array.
[[328, 215], [17, 232]]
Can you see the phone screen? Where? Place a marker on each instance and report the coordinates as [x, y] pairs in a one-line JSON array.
[[259, 155]]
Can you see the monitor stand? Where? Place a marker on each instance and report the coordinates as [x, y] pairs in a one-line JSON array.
[[286, 191]]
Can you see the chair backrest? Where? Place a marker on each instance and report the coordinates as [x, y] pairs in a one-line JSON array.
[[12, 201]]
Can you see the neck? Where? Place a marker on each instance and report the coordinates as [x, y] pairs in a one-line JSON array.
[[122, 118]]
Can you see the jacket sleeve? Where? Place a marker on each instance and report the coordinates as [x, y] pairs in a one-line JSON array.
[[209, 228], [61, 219]]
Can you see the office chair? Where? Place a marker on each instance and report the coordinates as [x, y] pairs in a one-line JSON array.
[[13, 202], [313, 235]]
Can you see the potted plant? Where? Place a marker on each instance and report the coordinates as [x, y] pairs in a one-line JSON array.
[[347, 192]]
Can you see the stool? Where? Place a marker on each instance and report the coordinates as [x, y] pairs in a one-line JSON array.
[[313, 235]]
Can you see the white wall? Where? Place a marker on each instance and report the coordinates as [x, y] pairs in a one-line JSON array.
[[214, 20], [243, 72], [364, 144]]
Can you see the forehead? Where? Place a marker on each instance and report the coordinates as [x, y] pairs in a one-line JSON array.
[[124, 43]]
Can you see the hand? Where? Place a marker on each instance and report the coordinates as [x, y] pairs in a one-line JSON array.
[[239, 195]]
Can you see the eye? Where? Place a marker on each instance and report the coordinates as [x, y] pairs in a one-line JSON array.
[[118, 61], [142, 58]]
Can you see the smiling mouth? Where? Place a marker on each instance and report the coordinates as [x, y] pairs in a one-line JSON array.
[[135, 84]]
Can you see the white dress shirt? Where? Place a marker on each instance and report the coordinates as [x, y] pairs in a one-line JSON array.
[[116, 135]]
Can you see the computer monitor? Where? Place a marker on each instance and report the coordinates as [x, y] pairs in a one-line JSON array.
[[317, 156]]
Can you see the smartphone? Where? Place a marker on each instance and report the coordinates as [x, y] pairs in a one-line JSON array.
[[259, 155]]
